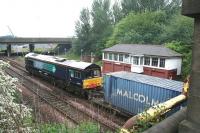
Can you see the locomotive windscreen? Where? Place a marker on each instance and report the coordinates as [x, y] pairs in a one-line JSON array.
[[93, 73]]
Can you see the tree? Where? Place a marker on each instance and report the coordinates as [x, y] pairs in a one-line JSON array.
[[117, 12], [129, 6], [102, 24], [186, 51], [13, 116], [83, 32], [139, 28], [92, 36], [179, 29], [149, 5]]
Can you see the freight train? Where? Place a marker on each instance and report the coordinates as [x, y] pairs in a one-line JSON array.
[[82, 75], [127, 92]]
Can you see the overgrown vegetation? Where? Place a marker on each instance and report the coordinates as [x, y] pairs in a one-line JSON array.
[[133, 21], [61, 128], [14, 116], [186, 51], [17, 118], [71, 56]]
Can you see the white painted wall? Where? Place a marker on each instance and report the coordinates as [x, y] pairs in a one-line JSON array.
[[137, 68], [174, 63]]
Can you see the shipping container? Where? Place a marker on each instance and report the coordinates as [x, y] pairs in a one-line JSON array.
[[133, 93]]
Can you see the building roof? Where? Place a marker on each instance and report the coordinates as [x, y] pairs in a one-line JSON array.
[[143, 49], [150, 80], [70, 63]]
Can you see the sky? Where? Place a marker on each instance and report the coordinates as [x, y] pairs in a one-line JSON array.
[[40, 18]]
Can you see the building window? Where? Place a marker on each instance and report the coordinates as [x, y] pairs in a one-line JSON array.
[[154, 62], [116, 57], [147, 61], [121, 57], [162, 62], [105, 55], [77, 74], [110, 56], [135, 60], [141, 60], [126, 58]]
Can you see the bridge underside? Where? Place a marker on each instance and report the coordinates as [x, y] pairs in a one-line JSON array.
[[32, 41]]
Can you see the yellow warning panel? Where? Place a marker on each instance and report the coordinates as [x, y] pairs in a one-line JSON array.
[[92, 83]]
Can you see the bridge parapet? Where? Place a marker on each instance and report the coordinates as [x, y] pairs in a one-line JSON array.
[[21, 40], [31, 41]]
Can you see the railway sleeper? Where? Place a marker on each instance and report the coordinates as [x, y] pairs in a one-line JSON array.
[[109, 108]]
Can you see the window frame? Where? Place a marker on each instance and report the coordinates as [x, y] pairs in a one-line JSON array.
[[126, 58], [116, 55], [141, 61], [122, 57], [153, 61], [77, 74], [110, 55], [162, 62], [145, 61], [135, 60], [105, 56]]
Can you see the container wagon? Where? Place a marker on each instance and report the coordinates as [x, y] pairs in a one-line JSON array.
[[133, 93]]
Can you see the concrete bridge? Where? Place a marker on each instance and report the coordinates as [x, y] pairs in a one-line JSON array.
[[31, 41]]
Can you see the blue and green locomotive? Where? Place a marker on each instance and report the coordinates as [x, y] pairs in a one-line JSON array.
[[86, 76]]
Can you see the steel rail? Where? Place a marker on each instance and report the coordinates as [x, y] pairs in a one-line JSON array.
[[62, 102]]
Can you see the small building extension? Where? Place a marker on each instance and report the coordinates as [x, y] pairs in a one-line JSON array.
[[153, 60]]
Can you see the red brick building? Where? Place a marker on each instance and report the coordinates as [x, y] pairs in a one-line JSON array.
[[154, 60]]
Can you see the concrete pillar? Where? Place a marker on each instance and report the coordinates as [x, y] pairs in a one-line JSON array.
[[8, 50], [191, 123], [31, 47]]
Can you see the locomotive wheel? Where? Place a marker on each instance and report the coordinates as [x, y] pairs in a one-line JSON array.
[[60, 84], [84, 93]]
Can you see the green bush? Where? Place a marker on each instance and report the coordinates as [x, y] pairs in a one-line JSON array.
[[86, 127]]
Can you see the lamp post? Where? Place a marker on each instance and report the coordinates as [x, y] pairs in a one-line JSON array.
[[81, 54], [58, 51], [65, 51], [91, 59]]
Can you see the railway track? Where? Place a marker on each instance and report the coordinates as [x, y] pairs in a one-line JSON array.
[[73, 110]]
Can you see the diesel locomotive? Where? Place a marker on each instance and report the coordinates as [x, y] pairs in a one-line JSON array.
[[85, 76]]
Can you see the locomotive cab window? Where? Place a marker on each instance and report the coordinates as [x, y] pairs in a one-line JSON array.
[[96, 73], [74, 74], [71, 73], [93, 73], [77, 74]]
